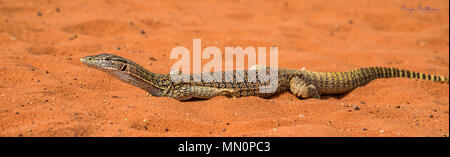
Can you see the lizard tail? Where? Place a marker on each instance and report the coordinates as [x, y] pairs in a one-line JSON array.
[[340, 82], [384, 72]]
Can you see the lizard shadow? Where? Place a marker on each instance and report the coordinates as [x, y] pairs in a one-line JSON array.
[[322, 97], [194, 99], [336, 96]]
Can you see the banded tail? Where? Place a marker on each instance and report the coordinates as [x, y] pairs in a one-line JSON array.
[[340, 82], [383, 72]]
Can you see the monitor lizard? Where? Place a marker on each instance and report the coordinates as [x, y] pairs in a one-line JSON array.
[[303, 84]]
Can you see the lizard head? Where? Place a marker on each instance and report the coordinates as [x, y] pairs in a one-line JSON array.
[[107, 62], [128, 72]]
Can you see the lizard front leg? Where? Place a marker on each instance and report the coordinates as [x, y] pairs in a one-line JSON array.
[[301, 89], [186, 92]]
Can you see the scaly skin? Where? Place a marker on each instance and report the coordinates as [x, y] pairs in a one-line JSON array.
[[303, 84]]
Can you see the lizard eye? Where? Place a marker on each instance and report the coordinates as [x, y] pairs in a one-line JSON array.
[[107, 59]]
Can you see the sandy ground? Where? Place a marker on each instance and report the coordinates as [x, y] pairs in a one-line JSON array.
[[46, 91]]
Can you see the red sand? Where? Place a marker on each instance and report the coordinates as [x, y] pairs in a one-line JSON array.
[[46, 91]]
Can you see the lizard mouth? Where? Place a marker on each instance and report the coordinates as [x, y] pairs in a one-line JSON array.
[[97, 64], [88, 61]]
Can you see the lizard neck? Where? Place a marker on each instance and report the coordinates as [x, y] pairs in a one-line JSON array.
[[142, 78]]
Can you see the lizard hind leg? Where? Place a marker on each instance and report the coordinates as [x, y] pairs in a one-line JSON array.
[[303, 90]]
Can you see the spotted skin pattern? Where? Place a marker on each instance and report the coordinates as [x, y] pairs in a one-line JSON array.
[[301, 83]]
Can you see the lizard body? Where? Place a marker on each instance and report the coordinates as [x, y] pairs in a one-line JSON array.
[[303, 84]]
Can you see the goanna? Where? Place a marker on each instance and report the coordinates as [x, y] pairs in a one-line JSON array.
[[301, 83]]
